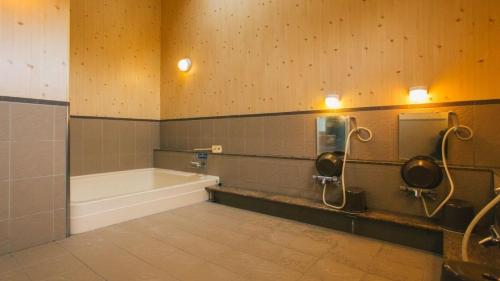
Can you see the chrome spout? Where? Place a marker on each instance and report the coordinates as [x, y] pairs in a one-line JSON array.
[[324, 180]]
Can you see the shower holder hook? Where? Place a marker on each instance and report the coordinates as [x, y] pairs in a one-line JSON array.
[[455, 123]]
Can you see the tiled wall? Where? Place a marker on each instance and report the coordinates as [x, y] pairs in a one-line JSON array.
[[294, 178], [101, 145], [32, 174], [294, 136]]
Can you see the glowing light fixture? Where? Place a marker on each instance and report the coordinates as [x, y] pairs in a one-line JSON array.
[[184, 64], [419, 95], [332, 101]]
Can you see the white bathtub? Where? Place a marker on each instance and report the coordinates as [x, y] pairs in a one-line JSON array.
[[100, 200]]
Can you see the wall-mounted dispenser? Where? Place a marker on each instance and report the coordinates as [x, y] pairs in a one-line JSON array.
[[421, 173], [331, 164]]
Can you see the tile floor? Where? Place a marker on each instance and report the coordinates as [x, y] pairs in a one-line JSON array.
[[213, 242]]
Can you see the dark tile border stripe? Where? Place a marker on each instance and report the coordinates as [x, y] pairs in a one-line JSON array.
[[113, 118], [33, 101], [353, 109], [305, 158]]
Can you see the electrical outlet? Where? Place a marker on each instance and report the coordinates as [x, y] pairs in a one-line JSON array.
[[216, 148]]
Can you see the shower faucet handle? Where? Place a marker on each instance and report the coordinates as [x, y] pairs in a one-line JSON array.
[[419, 192], [325, 180]]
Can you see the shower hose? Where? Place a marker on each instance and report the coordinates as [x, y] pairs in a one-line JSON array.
[[470, 228], [347, 145], [455, 130]]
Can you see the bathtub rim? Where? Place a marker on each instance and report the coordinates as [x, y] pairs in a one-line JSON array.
[[175, 172]]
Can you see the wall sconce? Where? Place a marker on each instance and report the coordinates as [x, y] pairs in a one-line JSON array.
[[184, 64], [332, 101], [419, 95]]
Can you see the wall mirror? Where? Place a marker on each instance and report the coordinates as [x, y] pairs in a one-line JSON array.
[[421, 134], [331, 132]]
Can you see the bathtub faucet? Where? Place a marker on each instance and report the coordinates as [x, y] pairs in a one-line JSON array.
[[493, 240], [200, 161], [198, 164]]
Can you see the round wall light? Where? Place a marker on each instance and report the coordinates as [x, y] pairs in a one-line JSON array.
[[419, 94], [332, 101], [184, 64]]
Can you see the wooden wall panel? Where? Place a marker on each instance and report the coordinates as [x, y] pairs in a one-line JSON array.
[[269, 56], [34, 46], [115, 58]]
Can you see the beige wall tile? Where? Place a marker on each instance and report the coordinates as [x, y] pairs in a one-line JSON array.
[[127, 161], [92, 136], [92, 164], [60, 157], [155, 134], [76, 165], [110, 163], [111, 136], [236, 136], [60, 122], [4, 160], [32, 122], [193, 134], [254, 135], [119, 145], [293, 135], [473, 186], [310, 135], [220, 132], [294, 178], [383, 146], [31, 230], [31, 159], [166, 134], [486, 140], [76, 146], [143, 160], [181, 135], [206, 133], [4, 242], [273, 136], [4, 121], [127, 137], [59, 224], [143, 137], [30, 196], [226, 167], [59, 192], [4, 200]]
